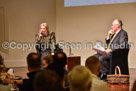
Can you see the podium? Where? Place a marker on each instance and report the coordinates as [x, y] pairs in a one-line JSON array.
[[72, 62]]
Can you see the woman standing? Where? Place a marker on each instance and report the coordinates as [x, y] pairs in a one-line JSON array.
[[45, 41]]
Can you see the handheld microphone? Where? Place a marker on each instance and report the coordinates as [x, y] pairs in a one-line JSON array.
[[40, 37], [41, 34]]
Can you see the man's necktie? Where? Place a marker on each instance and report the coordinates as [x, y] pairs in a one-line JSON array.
[[111, 41]]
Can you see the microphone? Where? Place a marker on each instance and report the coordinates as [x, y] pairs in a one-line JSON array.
[[40, 37], [41, 34]]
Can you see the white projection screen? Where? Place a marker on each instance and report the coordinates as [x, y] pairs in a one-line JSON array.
[[68, 3]]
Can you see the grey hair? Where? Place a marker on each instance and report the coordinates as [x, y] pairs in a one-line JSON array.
[[119, 22]]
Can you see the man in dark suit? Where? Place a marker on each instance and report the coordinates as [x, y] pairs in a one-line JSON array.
[[117, 38]]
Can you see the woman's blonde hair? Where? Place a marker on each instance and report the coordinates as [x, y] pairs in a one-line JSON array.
[[48, 59], [47, 27]]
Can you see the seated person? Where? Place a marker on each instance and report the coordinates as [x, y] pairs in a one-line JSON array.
[[34, 66], [116, 38], [47, 80], [134, 86], [93, 64], [47, 60], [5, 73], [60, 61], [80, 79]]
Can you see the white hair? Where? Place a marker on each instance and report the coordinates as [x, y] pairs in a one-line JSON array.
[[80, 77], [118, 22]]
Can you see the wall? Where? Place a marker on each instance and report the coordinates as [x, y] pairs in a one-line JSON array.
[[22, 20], [82, 24], [91, 23]]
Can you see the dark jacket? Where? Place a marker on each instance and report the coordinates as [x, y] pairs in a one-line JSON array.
[[28, 83], [120, 41]]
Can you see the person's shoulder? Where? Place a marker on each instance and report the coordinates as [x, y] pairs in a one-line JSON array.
[[98, 85], [123, 31], [98, 81], [52, 34]]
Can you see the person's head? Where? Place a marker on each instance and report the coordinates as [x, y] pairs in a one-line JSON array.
[[44, 29], [134, 86], [33, 62], [60, 58], [2, 65], [1, 60], [117, 25], [47, 60], [57, 68], [93, 64], [80, 79], [47, 80]]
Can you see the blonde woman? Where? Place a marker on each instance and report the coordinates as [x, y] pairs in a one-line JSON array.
[[45, 41]]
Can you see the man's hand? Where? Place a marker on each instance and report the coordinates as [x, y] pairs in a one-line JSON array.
[[108, 51], [110, 33]]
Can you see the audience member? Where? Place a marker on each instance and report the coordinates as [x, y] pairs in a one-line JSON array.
[[34, 66], [47, 60], [60, 60], [3, 68], [93, 64], [47, 80], [80, 79], [5, 73], [134, 86]]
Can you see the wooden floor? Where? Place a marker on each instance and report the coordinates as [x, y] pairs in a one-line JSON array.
[[21, 71]]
